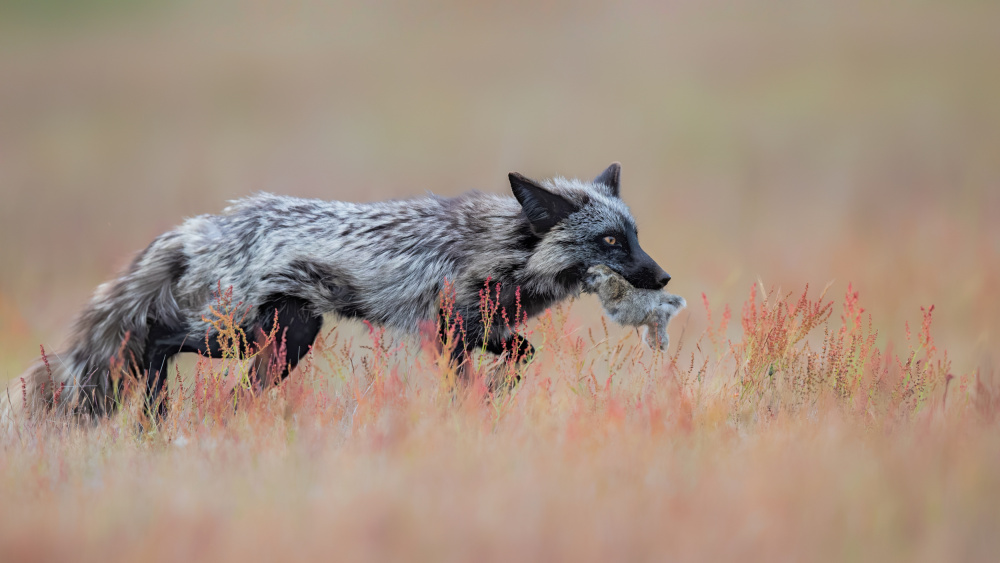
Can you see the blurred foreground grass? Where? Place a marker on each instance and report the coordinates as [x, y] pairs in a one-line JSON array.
[[852, 142]]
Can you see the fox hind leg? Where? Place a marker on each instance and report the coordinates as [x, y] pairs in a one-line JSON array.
[[163, 343], [298, 328]]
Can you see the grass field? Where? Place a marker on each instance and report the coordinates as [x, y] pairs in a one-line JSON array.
[[769, 151]]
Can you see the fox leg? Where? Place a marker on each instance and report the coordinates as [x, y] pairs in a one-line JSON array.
[[297, 330], [474, 338], [163, 343], [156, 377], [298, 327], [515, 345]]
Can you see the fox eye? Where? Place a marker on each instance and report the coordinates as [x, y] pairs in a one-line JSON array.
[[612, 241]]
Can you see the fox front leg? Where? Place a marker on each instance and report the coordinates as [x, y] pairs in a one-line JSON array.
[[515, 344]]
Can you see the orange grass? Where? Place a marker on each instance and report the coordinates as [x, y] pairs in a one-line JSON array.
[[803, 439]]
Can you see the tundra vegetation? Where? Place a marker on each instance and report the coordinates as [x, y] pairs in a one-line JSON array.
[[803, 435], [766, 146]]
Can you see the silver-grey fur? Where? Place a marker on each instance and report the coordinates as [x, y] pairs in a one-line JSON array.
[[383, 262], [650, 309]]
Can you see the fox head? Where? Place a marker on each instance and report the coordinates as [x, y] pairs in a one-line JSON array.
[[582, 224]]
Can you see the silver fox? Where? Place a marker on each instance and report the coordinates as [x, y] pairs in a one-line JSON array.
[[626, 305], [293, 260]]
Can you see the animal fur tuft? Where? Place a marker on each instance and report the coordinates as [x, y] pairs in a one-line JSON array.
[[107, 341], [649, 309]]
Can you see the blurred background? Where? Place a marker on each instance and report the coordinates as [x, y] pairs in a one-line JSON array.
[[791, 142]]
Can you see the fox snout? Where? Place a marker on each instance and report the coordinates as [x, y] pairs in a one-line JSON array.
[[664, 279], [645, 273]]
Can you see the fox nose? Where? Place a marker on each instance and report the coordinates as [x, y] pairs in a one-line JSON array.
[[664, 279]]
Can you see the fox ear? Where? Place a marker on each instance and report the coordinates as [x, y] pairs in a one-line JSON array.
[[543, 208], [610, 179]]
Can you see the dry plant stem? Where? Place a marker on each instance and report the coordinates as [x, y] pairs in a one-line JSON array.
[[263, 373]]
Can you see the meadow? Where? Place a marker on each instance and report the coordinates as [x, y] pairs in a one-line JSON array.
[[821, 181]]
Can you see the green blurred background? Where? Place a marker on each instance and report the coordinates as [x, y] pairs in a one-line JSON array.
[[794, 142]]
